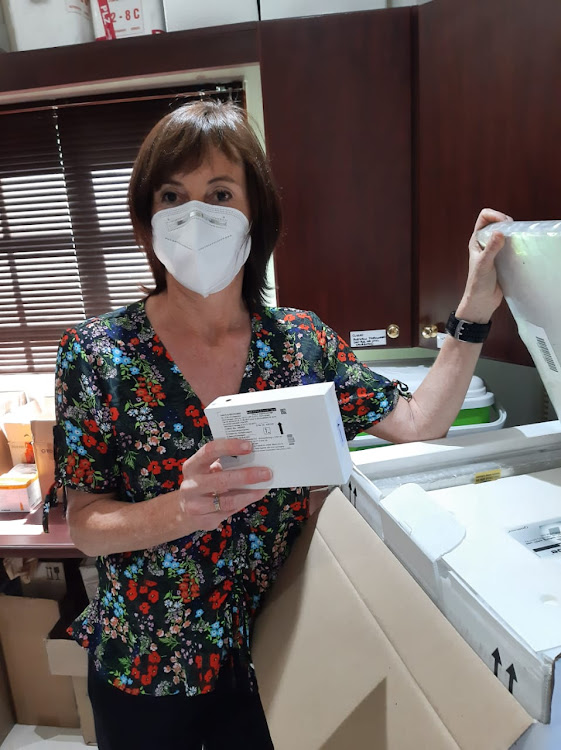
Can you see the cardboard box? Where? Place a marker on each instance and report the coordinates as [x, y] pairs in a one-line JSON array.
[[297, 432], [182, 15], [351, 653], [90, 577], [67, 658], [49, 23], [43, 450], [17, 428], [114, 19], [48, 581], [290, 8], [9, 400], [7, 716], [349, 659], [19, 489], [39, 697]]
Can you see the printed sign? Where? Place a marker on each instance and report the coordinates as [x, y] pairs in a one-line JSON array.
[[121, 18], [544, 539], [487, 476], [368, 338]]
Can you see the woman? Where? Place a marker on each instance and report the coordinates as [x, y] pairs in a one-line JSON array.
[[184, 556]]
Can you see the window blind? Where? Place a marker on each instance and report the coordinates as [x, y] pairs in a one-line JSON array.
[[67, 251], [99, 145], [39, 278]]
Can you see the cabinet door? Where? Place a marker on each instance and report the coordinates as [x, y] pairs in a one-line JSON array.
[[337, 105], [489, 135]]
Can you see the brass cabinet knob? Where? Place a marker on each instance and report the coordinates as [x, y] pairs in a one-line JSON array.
[[429, 332], [393, 331]]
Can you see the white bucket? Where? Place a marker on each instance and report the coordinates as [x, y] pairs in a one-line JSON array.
[[477, 397], [413, 375], [114, 19]]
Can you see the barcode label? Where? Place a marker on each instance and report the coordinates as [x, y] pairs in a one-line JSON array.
[[290, 439], [546, 354]]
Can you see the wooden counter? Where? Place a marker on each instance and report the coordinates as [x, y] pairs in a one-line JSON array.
[[22, 535]]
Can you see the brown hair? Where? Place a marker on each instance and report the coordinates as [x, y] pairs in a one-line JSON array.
[[180, 141]]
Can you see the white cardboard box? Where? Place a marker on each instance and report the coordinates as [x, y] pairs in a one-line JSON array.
[[20, 491], [297, 432], [114, 19], [187, 15], [48, 23], [470, 546], [293, 8]]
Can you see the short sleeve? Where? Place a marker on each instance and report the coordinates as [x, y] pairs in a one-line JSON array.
[[84, 443], [365, 398]]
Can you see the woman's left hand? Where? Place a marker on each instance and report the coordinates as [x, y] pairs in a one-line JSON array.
[[482, 294]]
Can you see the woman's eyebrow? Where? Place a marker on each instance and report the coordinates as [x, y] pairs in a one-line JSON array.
[[223, 178], [175, 183]]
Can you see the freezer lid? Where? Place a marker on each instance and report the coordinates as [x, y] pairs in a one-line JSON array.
[[529, 272]]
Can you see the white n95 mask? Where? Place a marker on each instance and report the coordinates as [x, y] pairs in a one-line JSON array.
[[201, 245]]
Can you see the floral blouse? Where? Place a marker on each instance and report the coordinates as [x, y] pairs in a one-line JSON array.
[[165, 618]]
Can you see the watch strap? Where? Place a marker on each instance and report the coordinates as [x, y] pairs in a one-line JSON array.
[[464, 330]]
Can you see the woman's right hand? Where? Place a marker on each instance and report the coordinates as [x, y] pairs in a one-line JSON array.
[[204, 479]]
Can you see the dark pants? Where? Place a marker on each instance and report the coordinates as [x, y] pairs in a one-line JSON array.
[[229, 718]]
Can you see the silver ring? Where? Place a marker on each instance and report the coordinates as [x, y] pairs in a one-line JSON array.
[[216, 502]]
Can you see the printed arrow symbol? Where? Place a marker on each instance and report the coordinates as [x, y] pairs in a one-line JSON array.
[[280, 428], [354, 493], [497, 657], [511, 672]]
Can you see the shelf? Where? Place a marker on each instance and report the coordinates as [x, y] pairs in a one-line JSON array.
[[134, 57]]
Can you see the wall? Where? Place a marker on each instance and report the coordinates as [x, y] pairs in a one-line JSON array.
[[518, 388]]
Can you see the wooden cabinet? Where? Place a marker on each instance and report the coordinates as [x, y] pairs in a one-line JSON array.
[[337, 106], [488, 134], [388, 130]]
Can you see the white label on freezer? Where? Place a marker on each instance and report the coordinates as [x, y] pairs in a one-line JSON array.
[[545, 348], [268, 429], [79, 6], [542, 538], [127, 17], [368, 338]]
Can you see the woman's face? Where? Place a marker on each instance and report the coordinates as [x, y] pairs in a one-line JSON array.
[[217, 181]]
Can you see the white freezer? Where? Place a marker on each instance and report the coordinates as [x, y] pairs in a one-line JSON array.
[[477, 519]]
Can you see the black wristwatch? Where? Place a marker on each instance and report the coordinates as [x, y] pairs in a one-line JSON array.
[[463, 330]]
